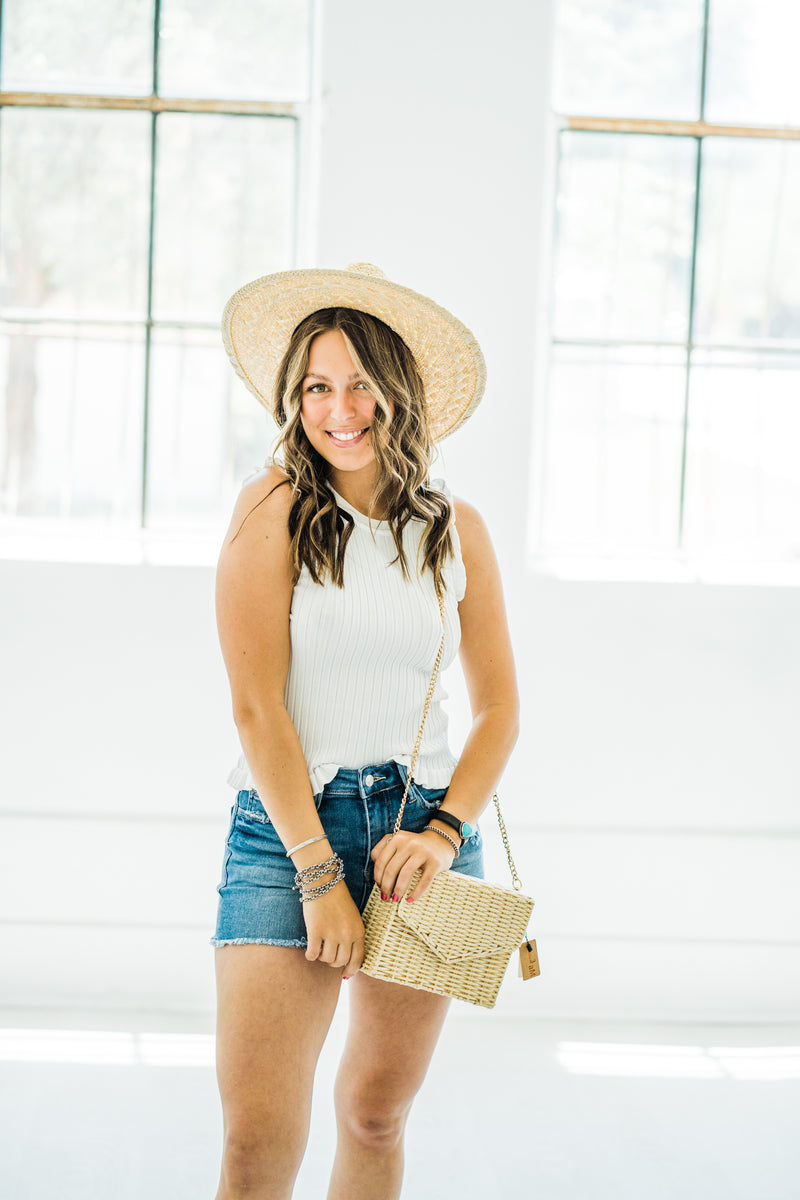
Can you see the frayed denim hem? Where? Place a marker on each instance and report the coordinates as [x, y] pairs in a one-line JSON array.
[[303, 945]]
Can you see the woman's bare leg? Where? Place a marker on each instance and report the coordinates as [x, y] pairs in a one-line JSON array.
[[392, 1035], [274, 1009]]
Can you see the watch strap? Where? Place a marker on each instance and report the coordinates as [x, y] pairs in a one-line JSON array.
[[447, 818]]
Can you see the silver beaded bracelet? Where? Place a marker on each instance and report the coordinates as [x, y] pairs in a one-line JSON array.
[[441, 833]]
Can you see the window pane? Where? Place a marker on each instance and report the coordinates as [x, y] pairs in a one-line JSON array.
[[253, 50], [74, 218], [613, 449], [78, 46], [72, 425], [748, 276], [207, 432], [624, 236], [743, 482], [753, 78], [632, 58], [224, 208]]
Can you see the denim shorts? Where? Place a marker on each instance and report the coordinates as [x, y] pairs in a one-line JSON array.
[[357, 808]]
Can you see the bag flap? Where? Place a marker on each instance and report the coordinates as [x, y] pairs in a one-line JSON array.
[[461, 918]]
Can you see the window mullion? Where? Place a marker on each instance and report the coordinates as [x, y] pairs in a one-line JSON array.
[[156, 28], [692, 282], [704, 60], [689, 342], [148, 334], [666, 128]]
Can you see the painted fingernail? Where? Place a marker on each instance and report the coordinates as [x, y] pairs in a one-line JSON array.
[[384, 897], [395, 898], [345, 977]]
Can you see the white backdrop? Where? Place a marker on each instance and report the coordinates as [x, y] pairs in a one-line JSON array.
[[653, 796]]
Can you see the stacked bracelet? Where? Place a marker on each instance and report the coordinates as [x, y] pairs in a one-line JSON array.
[[304, 880], [308, 842], [441, 833]]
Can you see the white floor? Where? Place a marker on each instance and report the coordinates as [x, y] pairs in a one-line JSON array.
[[124, 1107]]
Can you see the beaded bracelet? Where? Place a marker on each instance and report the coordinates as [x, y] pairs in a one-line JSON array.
[[441, 833]]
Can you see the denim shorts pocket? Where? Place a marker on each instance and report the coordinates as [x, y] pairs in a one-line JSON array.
[[426, 797], [250, 808]]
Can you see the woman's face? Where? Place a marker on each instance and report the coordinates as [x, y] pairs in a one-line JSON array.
[[337, 410]]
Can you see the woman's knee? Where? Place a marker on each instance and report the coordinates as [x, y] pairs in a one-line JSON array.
[[374, 1116], [260, 1151], [245, 1164]]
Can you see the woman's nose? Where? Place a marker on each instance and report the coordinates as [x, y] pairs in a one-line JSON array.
[[342, 404]]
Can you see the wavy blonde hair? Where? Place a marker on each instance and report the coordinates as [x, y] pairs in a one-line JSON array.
[[401, 441]]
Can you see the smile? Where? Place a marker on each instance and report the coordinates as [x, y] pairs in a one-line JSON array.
[[347, 438]]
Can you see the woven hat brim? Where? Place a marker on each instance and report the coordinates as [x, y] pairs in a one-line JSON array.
[[260, 317]]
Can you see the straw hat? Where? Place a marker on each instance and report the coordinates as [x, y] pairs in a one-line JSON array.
[[259, 320]]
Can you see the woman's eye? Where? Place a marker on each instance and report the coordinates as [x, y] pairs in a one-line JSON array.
[[313, 387]]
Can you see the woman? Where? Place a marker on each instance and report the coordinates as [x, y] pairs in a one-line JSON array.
[[329, 623]]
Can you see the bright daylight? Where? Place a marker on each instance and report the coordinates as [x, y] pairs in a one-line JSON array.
[[399, 577]]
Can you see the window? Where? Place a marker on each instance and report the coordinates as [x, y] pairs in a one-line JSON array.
[[671, 426], [150, 153]]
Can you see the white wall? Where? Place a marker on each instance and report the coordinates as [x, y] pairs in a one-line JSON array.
[[653, 796]]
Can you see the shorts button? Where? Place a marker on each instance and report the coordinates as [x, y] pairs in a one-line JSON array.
[[369, 780]]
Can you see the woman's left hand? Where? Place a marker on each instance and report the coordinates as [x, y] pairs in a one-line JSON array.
[[397, 856]]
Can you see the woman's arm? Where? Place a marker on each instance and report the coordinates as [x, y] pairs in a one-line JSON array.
[[253, 599], [488, 665]]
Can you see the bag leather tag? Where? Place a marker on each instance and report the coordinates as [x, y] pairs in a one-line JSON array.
[[528, 960]]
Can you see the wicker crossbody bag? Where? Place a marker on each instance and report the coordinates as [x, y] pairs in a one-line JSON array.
[[457, 940]]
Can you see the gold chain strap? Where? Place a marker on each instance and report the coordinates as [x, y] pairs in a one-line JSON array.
[[428, 698], [415, 754], [504, 835]]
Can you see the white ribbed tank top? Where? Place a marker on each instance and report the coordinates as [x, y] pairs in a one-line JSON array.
[[362, 657]]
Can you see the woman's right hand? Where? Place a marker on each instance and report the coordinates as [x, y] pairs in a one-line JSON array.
[[335, 930]]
